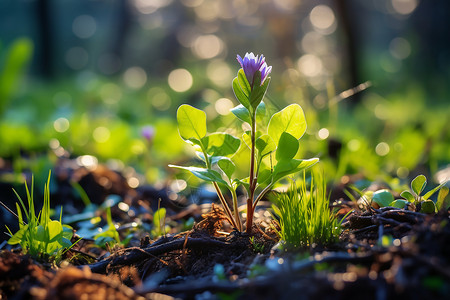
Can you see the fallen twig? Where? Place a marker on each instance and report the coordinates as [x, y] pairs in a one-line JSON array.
[[133, 255]]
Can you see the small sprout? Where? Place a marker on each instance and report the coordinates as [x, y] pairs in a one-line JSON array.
[[40, 236], [423, 203]]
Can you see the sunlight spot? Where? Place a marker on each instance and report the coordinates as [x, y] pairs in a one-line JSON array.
[[133, 182], [219, 73], [207, 46], [404, 7], [323, 134], [223, 106], [323, 19], [101, 134], [61, 125], [150, 6], [88, 161], [135, 77], [178, 185], [160, 100], [400, 48], [310, 65], [123, 206], [286, 5], [382, 149], [402, 172], [354, 145], [208, 11], [54, 144], [180, 80], [84, 26]]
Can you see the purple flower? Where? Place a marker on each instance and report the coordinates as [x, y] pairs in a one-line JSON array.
[[251, 63], [148, 132]]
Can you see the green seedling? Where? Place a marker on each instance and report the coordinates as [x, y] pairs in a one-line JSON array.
[[423, 203], [159, 223], [414, 197], [39, 235], [279, 143], [110, 235], [305, 217], [257, 247]]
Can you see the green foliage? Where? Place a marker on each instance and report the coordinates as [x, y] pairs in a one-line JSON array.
[[40, 236], [110, 235], [159, 223], [305, 217], [423, 203], [414, 197], [12, 69], [216, 150]]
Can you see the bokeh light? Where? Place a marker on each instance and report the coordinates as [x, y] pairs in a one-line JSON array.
[[180, 80]]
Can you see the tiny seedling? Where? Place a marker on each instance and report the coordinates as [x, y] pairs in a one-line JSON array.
[[39, 235], [279, 143], [304, 215], [257, 247], [414, 197], [423, 203], [159, 223], [110, 235]]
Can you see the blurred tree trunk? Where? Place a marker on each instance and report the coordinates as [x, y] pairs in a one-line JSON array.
[[45, 48], [343, 11]]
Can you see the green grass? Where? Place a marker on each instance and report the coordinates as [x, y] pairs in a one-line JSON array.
[[305, 217], [39, 235]]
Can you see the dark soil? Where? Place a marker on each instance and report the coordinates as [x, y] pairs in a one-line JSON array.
[[382, 254]]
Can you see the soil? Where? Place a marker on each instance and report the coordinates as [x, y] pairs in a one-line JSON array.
[[383, 253]]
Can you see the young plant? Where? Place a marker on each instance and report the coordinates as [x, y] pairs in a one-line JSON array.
[[40, 236], [413, 197], [423, 203], [304, 215], [280, 142]]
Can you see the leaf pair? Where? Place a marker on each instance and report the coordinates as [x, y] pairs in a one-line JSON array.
[[248, 94]]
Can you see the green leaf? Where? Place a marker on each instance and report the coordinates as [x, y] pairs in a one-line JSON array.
[[261, 111], [430, 193], [240, 94], [291, 120], [19, 236], [204, 174], [221, 144], [159, 218], [427, 207], [40, 234], [442, 204], [227, 166], [243, 82], [418, 184], [67, 232], [191, 122], [258, 91], [408, 196], [287, 147], [264, 174], [383, 198], [55, 231], [286, 167], [265, 145], [399, 203], [242, 113]]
